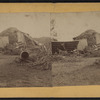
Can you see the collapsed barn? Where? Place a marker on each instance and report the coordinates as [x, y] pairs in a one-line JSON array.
[[13, 39], [92, 48], [88, 40], [15, 42], [91, 36]]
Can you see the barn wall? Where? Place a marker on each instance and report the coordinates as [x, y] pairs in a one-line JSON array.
[[1, 44], [20, 37], [4, 41], [82, 44], [97, 38]]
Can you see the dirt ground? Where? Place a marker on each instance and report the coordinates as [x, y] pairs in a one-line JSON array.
[[76, 72], [72, 71], [12, 75]]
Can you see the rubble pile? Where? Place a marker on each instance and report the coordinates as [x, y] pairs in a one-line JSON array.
[[93, 51], [39, 60], [11, 50]]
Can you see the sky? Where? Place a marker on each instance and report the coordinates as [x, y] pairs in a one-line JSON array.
[[35, 24], [67, 25]]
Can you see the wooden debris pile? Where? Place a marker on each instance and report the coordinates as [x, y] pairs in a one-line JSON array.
[[29, 51], [38, 58]]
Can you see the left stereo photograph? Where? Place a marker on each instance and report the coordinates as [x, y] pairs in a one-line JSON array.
[[25, 50]]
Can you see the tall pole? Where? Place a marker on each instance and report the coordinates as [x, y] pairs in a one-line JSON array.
[[53, 32]]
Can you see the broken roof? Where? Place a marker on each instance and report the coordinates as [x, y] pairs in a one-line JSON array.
[[86, 34]]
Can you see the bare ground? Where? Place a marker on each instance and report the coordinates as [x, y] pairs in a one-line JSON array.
[[12, 75], [80, 72], [64, 73]]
